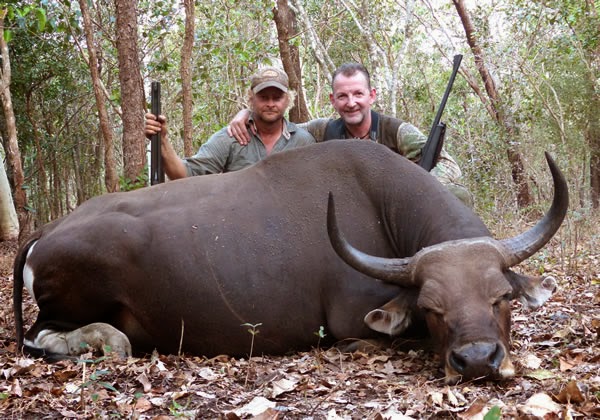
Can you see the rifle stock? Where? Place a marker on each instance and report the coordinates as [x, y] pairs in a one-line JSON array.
[[430, 152], [157, 174]]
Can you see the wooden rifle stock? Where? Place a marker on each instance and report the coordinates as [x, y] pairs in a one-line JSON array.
[[157, 175], [433, 147]]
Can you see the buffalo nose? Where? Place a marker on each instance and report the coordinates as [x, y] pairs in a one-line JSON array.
[[478, 359]]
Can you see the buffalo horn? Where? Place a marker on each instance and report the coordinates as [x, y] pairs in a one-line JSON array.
[[523, 246], [392, 270]]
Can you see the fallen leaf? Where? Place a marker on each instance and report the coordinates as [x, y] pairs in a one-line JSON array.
[[379, 358], [143, 379], [571, 394], [540, 405], [531, 361], [208, 374], [281, 386], [332, 415], [540, 374], [436, 397], [268, 414], [142, 405], [475, 411], [15, 388], [255, 407]]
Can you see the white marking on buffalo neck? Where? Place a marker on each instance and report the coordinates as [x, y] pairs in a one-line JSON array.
[[28, 276]]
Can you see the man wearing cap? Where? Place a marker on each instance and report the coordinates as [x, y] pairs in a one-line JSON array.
[[269, 98]]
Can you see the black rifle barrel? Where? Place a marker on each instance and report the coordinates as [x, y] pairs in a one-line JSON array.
[[157, 174], [432, 148]]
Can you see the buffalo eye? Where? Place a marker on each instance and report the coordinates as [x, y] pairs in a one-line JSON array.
[[504, 299]]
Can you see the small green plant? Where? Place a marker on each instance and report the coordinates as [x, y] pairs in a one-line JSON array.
[[93, 382], [253, 330], [321, 334], [178, 410]]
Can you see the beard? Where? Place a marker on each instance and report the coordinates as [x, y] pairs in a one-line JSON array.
[[268, 116], [353, 117]]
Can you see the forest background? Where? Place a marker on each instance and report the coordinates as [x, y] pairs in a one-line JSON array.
[[75, 84]]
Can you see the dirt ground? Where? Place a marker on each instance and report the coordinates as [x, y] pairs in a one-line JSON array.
[[556, 351]]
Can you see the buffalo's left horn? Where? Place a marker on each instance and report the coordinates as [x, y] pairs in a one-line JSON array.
[[523, 246], [392, 270]]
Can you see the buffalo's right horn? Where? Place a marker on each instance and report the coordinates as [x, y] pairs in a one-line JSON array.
[[392, 270]]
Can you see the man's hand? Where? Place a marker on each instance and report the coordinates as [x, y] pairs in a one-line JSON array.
[[155, 125], [237, 127]]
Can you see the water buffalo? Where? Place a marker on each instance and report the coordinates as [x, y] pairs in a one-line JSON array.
[[181, 266]]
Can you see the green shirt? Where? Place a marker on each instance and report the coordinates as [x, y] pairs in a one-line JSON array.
[[222, 153]]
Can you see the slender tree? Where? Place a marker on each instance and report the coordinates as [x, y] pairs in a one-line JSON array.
[[111, 179], [9, 224], [13, 155], [287, 29], [498, 112], [132, 93], [185, 70]]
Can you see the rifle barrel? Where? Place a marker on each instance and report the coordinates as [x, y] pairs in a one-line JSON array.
[[438, 116], [433, 147], [156, 172]]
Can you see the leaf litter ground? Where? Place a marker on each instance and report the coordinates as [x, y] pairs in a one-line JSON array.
[[556, 350]]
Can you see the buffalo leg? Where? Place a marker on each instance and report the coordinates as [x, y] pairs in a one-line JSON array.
[[98, 336]]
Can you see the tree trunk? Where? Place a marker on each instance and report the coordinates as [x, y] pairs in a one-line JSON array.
[[186, 76], [593, 132], [507, 129], [9, 224], [13, 155], [287, 28], [132, 93], [111, 179], [592, 135], [39, 156]]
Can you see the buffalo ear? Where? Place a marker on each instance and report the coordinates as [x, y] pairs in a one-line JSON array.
[[532, 291], [388, 322]]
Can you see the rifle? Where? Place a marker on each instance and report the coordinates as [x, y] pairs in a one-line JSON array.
[[430, 152], [157, 175]]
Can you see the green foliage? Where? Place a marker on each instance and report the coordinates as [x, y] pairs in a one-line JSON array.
[[495, 413], [231, 41], [141, 181], [543, 60], [94, 380]]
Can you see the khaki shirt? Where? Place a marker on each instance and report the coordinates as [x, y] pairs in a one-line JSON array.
[[222, 153]]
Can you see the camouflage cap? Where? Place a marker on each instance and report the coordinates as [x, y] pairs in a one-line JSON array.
[[269, 77]]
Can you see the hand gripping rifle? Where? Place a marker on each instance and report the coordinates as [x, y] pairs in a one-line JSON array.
[[430, 153], [157, 175]]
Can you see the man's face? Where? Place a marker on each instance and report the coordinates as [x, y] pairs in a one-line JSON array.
[[269, 104], [352, 98]]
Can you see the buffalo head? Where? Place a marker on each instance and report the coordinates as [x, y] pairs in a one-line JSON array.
[[464, 289]]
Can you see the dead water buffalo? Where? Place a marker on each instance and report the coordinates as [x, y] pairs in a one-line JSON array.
[[182, 265]]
